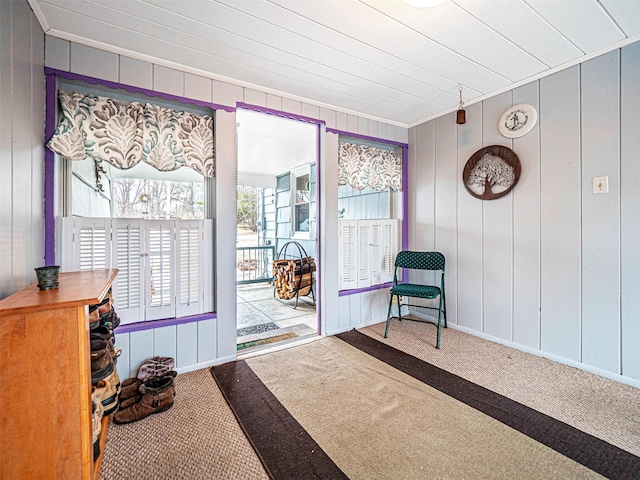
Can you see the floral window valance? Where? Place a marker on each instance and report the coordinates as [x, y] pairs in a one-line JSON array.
[[125, 134], [364, 166]]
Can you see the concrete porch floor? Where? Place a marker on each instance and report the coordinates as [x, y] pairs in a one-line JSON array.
[[257, 306]]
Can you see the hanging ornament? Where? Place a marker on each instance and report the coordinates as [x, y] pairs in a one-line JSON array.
[[460, 114]]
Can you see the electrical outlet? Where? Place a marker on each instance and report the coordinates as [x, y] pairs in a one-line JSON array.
[[600, 185]]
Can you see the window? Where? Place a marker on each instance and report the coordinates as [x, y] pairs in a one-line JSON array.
[[151, 226], [135, 191], [369, 203], [301, 197]]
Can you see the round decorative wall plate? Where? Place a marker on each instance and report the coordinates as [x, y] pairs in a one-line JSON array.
[[491, 172], [518, 120]]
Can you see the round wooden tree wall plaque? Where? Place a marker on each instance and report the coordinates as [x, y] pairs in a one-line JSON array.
[[491, 172]]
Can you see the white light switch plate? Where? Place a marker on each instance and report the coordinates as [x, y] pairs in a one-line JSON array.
[[600, 184]]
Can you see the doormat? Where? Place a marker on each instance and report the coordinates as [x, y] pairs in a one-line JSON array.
[[264, 341], [253, 329]]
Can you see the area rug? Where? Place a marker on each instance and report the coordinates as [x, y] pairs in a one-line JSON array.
[[254, 329], [265, 341], [351, 406]]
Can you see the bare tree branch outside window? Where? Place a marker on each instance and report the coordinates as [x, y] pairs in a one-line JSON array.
[[157, 199]]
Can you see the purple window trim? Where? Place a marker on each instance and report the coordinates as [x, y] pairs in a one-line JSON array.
[[405, 198], [355, 291], [279, 113], [49, 173], [405, 193], [165, 322], [366, 137], [132, 89], [51, 75]]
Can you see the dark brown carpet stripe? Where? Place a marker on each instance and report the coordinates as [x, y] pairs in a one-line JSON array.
[[593, 453], [286, 450]]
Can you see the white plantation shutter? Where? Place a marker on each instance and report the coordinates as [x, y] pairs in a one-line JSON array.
[[389, 249], [165, 266], [160, 288], [348, 254], [377, 249], [127, 258], [85, 244], [189, 278], [364, 254], [64, 244], [367, 252]]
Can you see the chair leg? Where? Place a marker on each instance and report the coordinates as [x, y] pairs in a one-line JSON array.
[[439, 318], [399, 308], [444, 309], [386, 330]]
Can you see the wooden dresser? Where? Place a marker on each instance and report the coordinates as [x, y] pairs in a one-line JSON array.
[[45, 379]]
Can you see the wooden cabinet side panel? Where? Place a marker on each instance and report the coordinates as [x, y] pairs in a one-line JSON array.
[[45, 395]]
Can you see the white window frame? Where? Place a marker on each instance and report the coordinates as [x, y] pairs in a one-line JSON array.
[[294, 174]]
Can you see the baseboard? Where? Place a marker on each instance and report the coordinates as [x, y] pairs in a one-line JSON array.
[[208, 363], [540, 353], [280, 346], [351, 327]]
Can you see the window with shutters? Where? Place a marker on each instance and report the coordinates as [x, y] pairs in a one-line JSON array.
[[370, 203], [163, 263], [153, 220], [367, 250], [164, 253], [157, 237]]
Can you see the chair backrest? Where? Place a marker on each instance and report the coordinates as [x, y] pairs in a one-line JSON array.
[[420, 260]]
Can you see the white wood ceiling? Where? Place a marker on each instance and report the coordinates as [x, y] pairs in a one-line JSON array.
[[381, 59]]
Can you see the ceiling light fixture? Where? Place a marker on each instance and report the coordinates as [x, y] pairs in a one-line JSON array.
[[460, 115], [424, 3]]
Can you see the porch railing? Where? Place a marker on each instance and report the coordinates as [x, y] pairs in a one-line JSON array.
[[253, 264]]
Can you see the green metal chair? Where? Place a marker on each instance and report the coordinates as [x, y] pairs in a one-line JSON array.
[[418, 261]]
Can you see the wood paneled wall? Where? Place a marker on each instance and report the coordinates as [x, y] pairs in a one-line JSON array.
[[203, 343], [21, 146], [550, 267]]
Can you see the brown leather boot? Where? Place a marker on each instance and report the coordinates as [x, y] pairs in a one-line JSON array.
[[127, 402], [97, 393], [104, 333], [101, 360], [110, 396], [130, 388], [105, 305], [94, 317], [157, 396]]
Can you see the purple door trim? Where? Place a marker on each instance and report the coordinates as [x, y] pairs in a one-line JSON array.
[[279, 113], [302, 118]]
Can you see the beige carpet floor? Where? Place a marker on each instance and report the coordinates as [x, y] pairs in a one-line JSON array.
[[601, 407], [199, 438], [377, 422]]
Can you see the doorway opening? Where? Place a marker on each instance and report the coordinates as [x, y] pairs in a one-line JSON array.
[[277, 208]]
